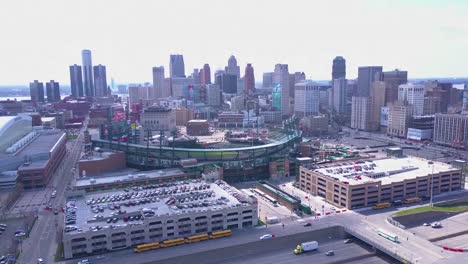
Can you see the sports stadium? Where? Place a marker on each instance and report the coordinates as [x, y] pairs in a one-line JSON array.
[[240, 163]]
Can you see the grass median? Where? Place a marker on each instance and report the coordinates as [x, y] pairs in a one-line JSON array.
[[459, 208]]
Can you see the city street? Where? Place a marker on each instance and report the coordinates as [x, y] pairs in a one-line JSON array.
[[43, 239]]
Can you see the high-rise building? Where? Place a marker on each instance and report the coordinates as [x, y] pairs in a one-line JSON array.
[[232, 67], [205, 75], [281, 78], [88, 81], [176, 66], [360, 110], [213, 95], [267, 80], [414, 95], [392, 80], [158, 91], [376, 102], [137, 93], [100, 81], [240, 86], [76, 81], [36, 89], [451, 130], [366, 76], [249, 80], [399, 117], [338, 95], [196, 76], [294, 78], [465, 99], [53, 91], [307, 98], [227, 82], [339, 68]]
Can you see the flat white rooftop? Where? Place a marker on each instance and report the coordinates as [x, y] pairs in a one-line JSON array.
[[386, 170]]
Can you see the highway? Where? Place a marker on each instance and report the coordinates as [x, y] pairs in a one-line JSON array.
[[42, 241]]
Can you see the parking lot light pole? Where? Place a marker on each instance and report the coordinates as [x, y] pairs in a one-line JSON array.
[[432, 183]]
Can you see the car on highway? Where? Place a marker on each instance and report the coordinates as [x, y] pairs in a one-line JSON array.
[[40, 261], [84, 261], [436, 225], [426, 224], [330, 253], [347, 241], [267, 236], [308, 224]]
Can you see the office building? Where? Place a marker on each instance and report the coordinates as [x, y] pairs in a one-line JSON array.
[[399, 117], [232, 67], [100, 81], [421, 128], [451, 130], [281, 80], [413, 94], [214, 207], [294, 78], [195, 76], [385, 180], [76, 81], [366, 76], [205, 75], [213, 95], [158, 91], [360, 111], [339, 68], [338, 95], [392, 80], [88, 82], [176, 66], [376, 102], [53, 91], [249, 80], [227, 82], [137, 93], [307, 98], [156, 118], [240, 86], [36, 90], [267, 81]]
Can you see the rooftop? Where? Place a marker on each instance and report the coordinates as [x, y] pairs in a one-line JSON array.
[[386, 170], [177, 198], [123, 177]]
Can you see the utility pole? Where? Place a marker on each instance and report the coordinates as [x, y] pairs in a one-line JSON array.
[[432, 183]]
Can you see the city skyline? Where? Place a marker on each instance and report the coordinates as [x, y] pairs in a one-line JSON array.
[[420, 41]]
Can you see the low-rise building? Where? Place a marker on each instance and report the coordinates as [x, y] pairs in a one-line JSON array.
[[198, 127], [154, 213], [363, 183], [157, 118]]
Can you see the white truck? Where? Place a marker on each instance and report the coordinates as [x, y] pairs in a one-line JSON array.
[[306, 246]]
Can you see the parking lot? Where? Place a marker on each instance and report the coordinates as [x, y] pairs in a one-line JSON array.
[[266, 209], [8, 241], [33, 200]]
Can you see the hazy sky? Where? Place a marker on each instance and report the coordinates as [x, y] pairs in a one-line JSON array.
[[40, 39]]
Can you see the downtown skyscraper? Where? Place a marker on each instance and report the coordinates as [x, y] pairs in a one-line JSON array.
[[87, 73], [76, 81], [339, 68], [157, 91], [176, 66], [249, 80], [232, 67], [100, 80], [53, 91], [36, 90], [366, 76], [281, 85]]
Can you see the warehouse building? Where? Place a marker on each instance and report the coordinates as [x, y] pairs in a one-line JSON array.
[[152, 213], [362, 183]]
